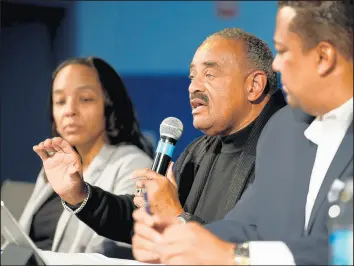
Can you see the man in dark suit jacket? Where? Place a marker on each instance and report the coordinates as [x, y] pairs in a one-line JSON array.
[[233, 94], [282, 217]]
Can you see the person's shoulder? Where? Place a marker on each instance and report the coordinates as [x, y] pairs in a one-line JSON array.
[[281, 118], [279, 122], [198, 147], [201, 143], [193, 152], [284, 113]]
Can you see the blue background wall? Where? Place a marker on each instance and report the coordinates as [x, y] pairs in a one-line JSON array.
[[151, 44]]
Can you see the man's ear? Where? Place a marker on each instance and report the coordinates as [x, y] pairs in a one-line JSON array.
[[326, 58], [255, 85]]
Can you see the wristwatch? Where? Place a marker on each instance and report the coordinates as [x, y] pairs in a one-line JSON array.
[[242, 254], [185, 217]]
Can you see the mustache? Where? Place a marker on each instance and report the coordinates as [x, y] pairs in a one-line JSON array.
[[199, 95]]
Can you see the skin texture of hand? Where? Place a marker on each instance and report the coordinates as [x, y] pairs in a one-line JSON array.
[[193, 245], [162, 192], [63, 169], [147, 232]]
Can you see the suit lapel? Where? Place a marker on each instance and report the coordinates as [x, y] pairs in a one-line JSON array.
[[303, 158], [60, 230], [341, 160], [40, 194]]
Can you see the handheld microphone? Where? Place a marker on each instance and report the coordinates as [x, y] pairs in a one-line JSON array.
[[171, 130]]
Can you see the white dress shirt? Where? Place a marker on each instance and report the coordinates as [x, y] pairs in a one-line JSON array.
[[327, 132]]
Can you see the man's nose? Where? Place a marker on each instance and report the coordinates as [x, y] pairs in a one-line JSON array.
[[275, 64], [196, 86]]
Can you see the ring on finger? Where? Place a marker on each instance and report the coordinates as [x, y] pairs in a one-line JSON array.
[[50, 153], [140, 191]]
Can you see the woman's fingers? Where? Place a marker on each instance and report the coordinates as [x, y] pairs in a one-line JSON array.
[[39, 149]]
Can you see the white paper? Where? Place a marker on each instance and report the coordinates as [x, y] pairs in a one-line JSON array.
[[57, 258]]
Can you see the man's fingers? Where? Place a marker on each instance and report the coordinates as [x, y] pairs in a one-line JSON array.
[[170, 174], [168, 252], [140, 183], [142, 243], [143, 249], [141, 216], [163, 222], [143, 183], [147, 173], [147, 232], [175, 233], [146, 256], [40, 152], [139, 201]]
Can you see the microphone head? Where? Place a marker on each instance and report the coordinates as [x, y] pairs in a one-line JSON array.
[[171, 127]]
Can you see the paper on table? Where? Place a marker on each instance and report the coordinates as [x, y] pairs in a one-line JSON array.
[[57, 258]]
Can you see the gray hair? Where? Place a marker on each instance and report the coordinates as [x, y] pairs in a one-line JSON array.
[[258, 54]]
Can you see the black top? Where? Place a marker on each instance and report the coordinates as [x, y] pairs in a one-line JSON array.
[[222, 172], [45, 222]]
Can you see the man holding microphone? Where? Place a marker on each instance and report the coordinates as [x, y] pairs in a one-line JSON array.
[[282, 217]]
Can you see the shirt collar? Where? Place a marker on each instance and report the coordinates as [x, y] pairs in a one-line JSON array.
[[342, 114]]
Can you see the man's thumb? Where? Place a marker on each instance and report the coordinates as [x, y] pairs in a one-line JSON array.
[[170, 174]]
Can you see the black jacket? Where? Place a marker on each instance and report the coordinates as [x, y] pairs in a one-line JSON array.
[[111, 215]]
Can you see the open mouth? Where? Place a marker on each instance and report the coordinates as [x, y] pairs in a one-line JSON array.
[[197, 105]]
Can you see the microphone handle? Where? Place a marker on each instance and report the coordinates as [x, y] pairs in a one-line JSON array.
[[161, 163], [163, 155]]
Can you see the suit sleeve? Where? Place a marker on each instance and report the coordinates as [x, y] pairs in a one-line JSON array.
[[310, 250], [239, 224], [109, 215]]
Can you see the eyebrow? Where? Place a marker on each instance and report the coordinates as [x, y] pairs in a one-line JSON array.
[[212, 64], [83, 87]]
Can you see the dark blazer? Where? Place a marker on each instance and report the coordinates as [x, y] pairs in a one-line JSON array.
[[111, 216], [273, 207]]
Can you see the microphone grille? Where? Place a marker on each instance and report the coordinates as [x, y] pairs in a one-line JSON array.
[[171, 127]]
